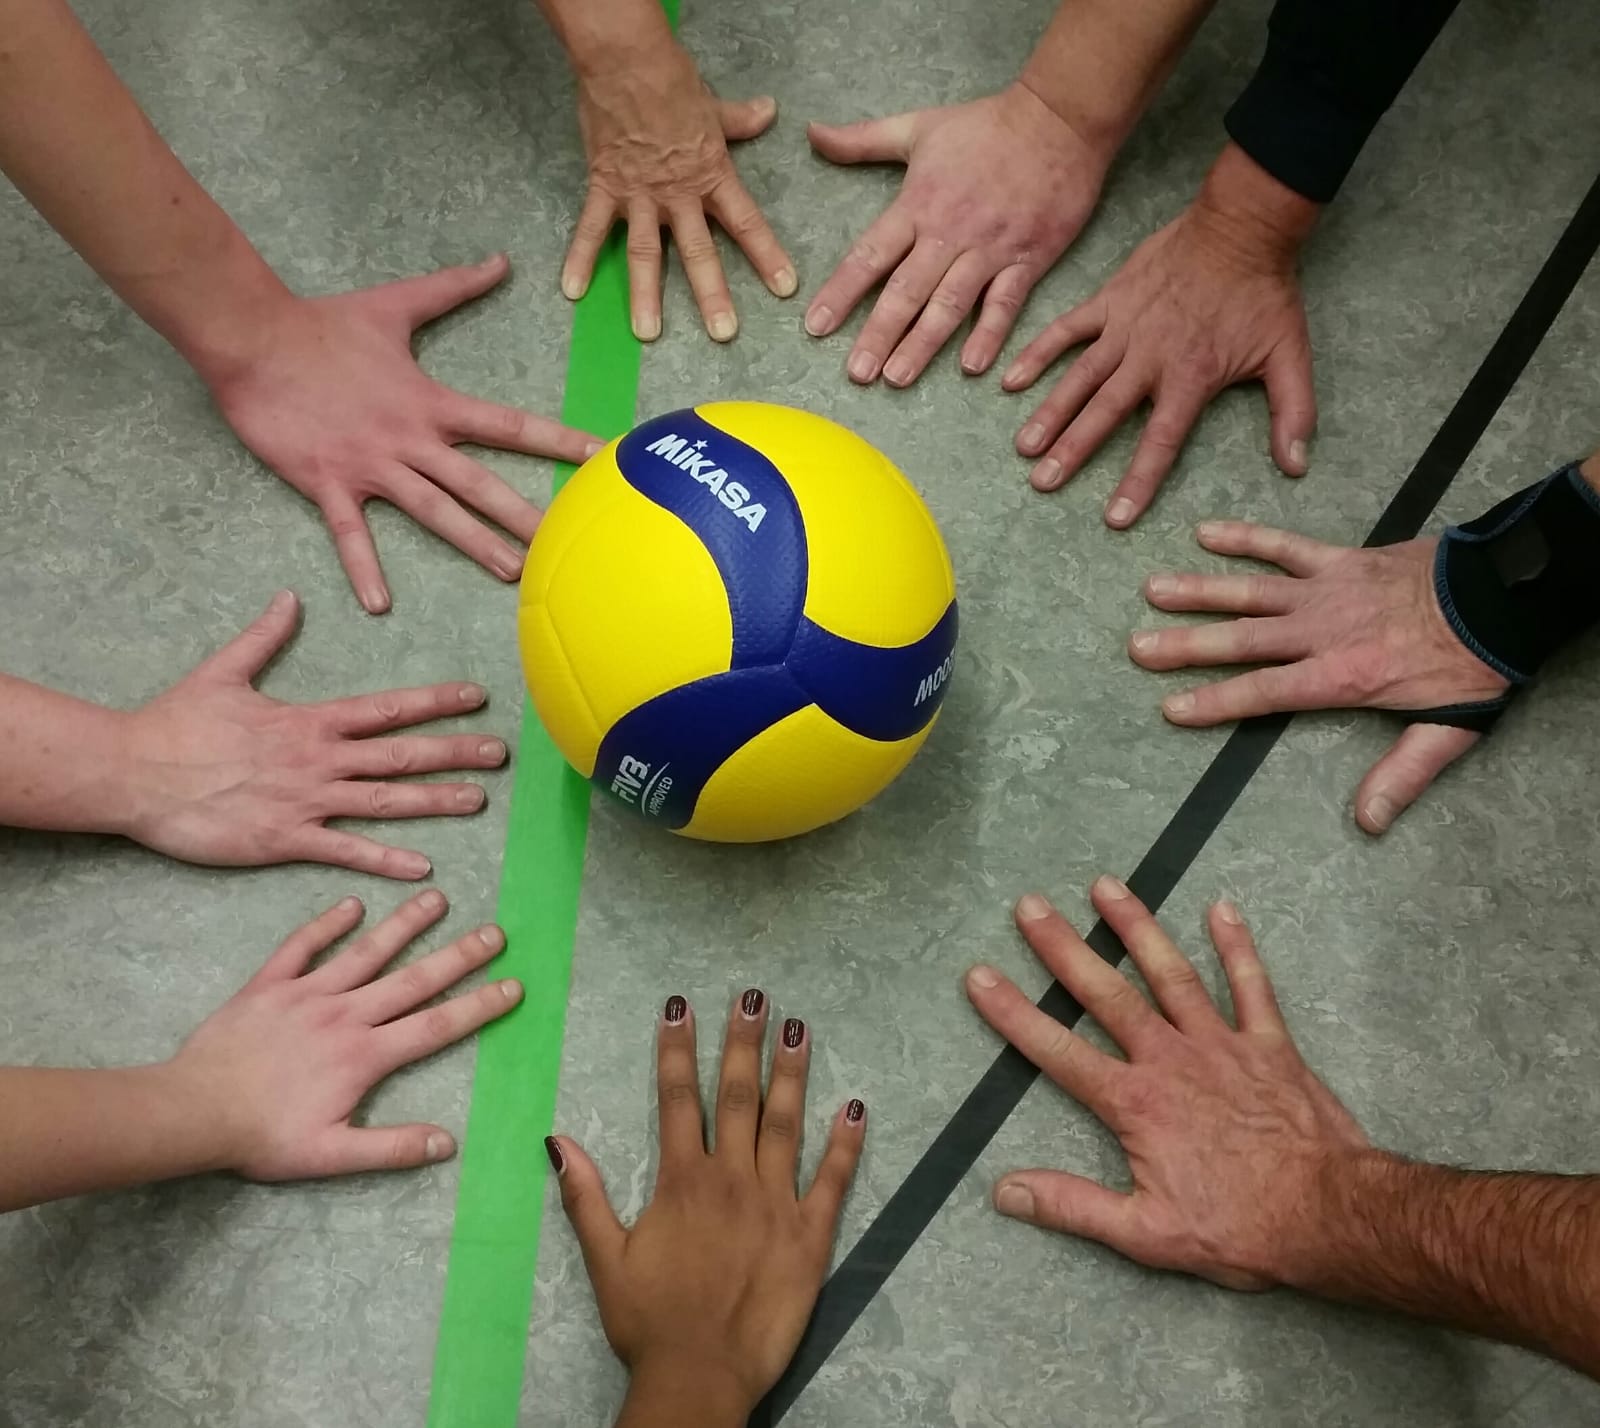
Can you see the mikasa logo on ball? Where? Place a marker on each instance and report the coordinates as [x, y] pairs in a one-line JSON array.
[[677, 451]]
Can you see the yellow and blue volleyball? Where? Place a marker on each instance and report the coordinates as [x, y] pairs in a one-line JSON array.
[[739, 621]]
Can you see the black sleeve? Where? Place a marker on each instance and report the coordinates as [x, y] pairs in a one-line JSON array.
[[1331, 69]]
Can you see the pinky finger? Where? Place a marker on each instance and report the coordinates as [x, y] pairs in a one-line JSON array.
[[594, 224], [361, 855], [825, 1199], [352, 538], [356, 1149], [425, 1032]]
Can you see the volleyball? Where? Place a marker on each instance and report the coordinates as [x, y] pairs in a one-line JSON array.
[[739, 621]]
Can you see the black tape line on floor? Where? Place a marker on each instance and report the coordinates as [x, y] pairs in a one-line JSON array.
[[955, 1150]]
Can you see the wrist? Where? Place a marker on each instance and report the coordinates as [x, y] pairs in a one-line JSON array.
[[1100, 133], [679, 1391], [595, 47], [1243, 210], [1340, 1199]]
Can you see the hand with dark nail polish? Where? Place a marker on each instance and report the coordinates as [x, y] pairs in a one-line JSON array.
[[706, 1296]]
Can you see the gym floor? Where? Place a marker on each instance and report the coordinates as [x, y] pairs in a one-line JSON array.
[[1442, 979]]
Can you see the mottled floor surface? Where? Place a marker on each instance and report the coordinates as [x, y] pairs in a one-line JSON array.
[[1442, 979]]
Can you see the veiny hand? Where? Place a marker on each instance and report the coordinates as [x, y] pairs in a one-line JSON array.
[[1226, 1130], [713, 1286], [1198, 307], [657, 141], [222, 775], [281, 1068], [1344, 629], [334, 402], [994, 193]]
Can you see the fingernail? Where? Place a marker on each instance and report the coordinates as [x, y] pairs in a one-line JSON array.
[[438, 1147], [752, 1002], [491, 936], [471, 797], [509, 566], [855, 1112], [863, 366], [471, 694], [558, 1162], [819, 321], [572, 286], [983, 977], [1209, 530], [1030, 436], [1229, 913], [1144, 642], [492, 261], [1014, 1200], [1113, 888], [1120, 511], [898, 372], [1163, 585], [431, 902], [375, 599], [722, 326], [972, 366], [414, 865], [283, 599], [1380, 812], [675, 1010], [785, 282], [648, 327], [1178, 704], [511, 990], [1013, 375], [1297, 453], [1046, 475], [594, 448], [492, 749], [1031, 907], [794, 1032]]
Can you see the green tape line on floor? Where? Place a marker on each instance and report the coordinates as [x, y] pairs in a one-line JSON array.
[[494, 1245]]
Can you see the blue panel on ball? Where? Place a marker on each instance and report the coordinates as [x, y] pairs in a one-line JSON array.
[[741, 507], [658, 757], [878, 692]]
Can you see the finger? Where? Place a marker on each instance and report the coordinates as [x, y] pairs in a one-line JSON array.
[[825, 1199], [1172, 980], [428, 505], [739, 1089], [1171, 420], [1292, 404], [370, 953], [1226, 642], [744, 119], [298, 949], [1106, 410], [1109, 997], [352, 539], [421, 1034], [431, 295], [1298, 554], [644, 269], [948, 305], [421, 981], [588, 237], [357, 1150], [1071, 1205], [1080, 381], [463, 418], [1261, 691], [1223, 594], [731, 205], [1002, 305], [703, 268], [904, 295], [778, 1142], [1255, 1005], [1403, 774], [348, 798], [253, 648], [869, 141], [1083, 324], [421, 754], [683, 1124], [872, 255], [364, 714], [583, 1196], [478, 487], [340, 849], [1081, 1070]]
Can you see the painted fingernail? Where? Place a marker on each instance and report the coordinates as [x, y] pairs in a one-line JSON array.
[[492, 749], [1144, 642], [722, 326], [984, 977], [1113, 888], [1163, 585], [1229, 913], [1120, 511], [432, 901], [794, 1032], [1031, 436], [1047, 474], [898, 373], [648, 327], [1380, 812], [819, 321], [491, 936], [471, 693], [1178, 704], [752, 1002], [1297, 453], [785, 282], [438, 1147], [572, 286], [1031, 907], [552, 1148], [511, 989], [675, 1010], [1014, 1200], [856, 1112]]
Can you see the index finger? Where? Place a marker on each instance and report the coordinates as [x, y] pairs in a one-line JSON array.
[[731, 205], [683, 1126], [1175, 413], [875, 253]]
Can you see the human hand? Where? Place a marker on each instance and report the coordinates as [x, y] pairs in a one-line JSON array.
[[1344, 629], [218, 773], [279, 1070], [657, 141], [995, 191], [1208, 301], [1227, 1131], [331, 398], [706, 1297]]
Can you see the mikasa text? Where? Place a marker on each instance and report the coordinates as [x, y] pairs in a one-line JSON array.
[[933, 683], [677, 451]]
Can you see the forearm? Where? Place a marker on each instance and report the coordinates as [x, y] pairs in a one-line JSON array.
[[680, 1395], [1509, 1256], [71, 1132], [602, 34], [77, 145]]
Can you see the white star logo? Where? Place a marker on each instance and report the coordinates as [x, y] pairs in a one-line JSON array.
[[699, 446]]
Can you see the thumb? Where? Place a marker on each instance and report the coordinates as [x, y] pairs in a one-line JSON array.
[[745, 118], [1072, 1205], [252, 649], [1401, 776], [1292, 401], [583, 1197], [872, 141], [424, 298]]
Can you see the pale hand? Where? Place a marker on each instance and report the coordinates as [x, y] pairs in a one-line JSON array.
[[332, 399], [280, 1069], [219, 773], [1341, 629], [995, 192], [1227, 1131]]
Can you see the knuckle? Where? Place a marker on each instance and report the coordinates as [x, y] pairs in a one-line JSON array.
[[380, 800], [738, 1095], [386, 706], [865, 254], [399, 756], [953, 305], [780, 1126], [676, 1093], [441, 1024]]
